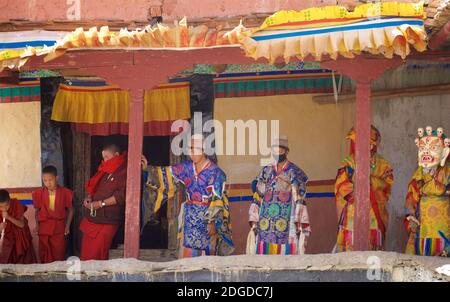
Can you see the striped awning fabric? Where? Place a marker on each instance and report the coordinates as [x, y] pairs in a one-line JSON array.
[[385, 28]]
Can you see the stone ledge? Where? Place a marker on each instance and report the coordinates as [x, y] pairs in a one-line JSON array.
[[350, 266]]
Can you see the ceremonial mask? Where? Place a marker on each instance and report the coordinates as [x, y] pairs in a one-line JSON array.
[[433, 147]]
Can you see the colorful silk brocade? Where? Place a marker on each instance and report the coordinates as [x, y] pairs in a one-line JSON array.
[[428, 200], [279, 203], [381, 180], [206, 202]]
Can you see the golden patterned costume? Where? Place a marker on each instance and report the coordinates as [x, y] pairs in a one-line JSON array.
[[428, 200], [381, 180]]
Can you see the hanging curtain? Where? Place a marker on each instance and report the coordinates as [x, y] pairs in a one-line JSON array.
[[104, 110]]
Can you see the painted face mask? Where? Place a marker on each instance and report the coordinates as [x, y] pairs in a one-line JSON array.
[[375, 139], [433, 147]]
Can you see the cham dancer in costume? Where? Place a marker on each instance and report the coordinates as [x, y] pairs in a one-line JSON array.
[[278, 213], [428, 197], [204, 221], [381, 180]]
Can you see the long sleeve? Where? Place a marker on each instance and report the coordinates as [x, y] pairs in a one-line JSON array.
[[219, 214], [217, 199], [37, 200], [161, 182], [381, 181], [258, 189], [412, 197], [298, 196], [120, 192], [343, 188]]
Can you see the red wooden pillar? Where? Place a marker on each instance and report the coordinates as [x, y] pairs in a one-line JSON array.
[[362, 70], [361, 221], [132, 202]]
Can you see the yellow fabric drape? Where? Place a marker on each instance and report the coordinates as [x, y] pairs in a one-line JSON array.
[[110, 104], [167, 102], [106, 104]]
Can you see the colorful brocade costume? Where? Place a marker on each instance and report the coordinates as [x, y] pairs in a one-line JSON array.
[[428, 200], [278, 204], [381, 180], [206, 202]]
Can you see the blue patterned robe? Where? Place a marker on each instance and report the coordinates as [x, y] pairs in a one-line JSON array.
[[206, 202], [279, 202]]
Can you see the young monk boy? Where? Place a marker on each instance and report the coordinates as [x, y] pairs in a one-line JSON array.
[[15, 241], [54, 214]]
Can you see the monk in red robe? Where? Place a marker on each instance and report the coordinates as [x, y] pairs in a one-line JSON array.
[[15, 241], [104, 207], [54, 215]]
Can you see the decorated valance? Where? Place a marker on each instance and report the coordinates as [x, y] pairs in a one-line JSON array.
[[104, 110], [385, 28], [19, 93], [274, 83], [160, 36]]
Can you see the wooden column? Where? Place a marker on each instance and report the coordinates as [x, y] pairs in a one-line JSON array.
[[133, 196], [82, 172], [362, 70], [362, 159]]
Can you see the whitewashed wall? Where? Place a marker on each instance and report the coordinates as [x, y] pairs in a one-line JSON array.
[[20, 147]]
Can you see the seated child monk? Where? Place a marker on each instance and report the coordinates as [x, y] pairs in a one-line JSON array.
[[16, 245], [54, 214]]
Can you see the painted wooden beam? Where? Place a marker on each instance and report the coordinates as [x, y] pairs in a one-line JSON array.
[[438, 89], [440, 38], [148, 58], [224, 55], [82, 59]]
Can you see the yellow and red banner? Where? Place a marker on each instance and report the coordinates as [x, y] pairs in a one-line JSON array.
[[104, 110]]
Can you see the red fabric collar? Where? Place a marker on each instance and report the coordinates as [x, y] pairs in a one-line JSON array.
[[106, 167]]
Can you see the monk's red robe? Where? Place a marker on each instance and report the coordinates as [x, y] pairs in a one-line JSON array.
[[97, 239], [99, 231], [17, 247], [52, 223]]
